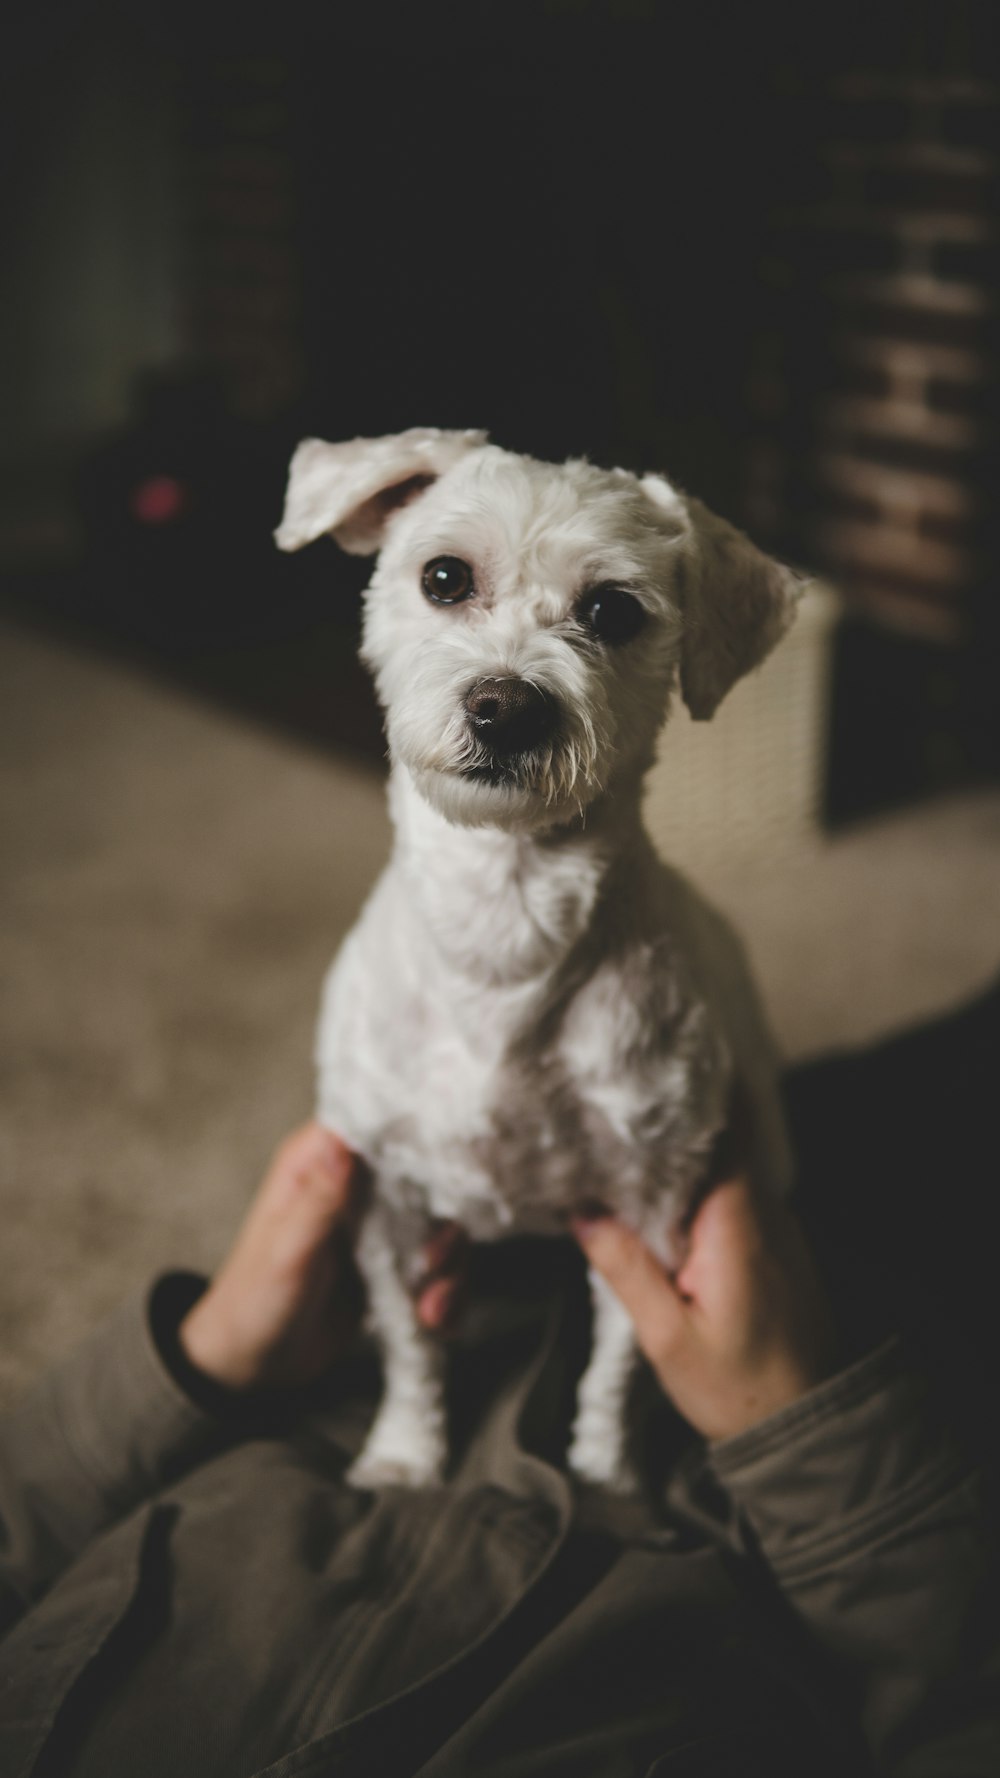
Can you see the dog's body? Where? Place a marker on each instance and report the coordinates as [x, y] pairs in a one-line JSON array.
[[533, 1013]]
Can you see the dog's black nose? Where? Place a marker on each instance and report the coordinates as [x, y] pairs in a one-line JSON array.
[[509, 715]]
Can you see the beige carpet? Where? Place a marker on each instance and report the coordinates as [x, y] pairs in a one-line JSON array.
[[174, 884]]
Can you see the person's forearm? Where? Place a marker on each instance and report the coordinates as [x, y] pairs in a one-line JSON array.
[[88, 1442], [877, 1528]]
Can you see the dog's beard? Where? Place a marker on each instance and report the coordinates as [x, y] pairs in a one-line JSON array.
[[424, 695], [552, 769], [472, 785], [470, 801]]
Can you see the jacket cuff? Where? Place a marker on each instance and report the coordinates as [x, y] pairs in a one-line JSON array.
[[168, 1301], [128, 1419], [92, 1440], [860, 1455]]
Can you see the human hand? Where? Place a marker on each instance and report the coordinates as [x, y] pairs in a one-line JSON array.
[[287, 1300], [744, 1327]]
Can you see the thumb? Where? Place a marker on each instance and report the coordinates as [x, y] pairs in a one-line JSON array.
[[637, 1279], [315, 1189], [726, 1246]]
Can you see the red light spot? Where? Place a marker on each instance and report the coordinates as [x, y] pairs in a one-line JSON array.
[[158, 500]]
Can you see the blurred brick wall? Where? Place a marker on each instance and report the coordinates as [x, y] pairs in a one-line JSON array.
[[874, 386], [243, 308]]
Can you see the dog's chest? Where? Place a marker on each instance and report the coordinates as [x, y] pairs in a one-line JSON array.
[[488, 1111], [486, 1140]]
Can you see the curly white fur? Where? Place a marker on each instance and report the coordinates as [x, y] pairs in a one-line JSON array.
[[533, 1012]]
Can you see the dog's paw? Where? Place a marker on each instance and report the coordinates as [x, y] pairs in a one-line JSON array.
[[368, 1473], [601, 1461], [399, 1461]]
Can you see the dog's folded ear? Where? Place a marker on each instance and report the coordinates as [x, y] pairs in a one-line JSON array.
[[738, 602], [352, 489]]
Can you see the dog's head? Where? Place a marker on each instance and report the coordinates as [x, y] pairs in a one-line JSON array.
[[526, 621]]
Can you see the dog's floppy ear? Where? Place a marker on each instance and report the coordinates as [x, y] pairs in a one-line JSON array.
[[738, 602], [352, 489]]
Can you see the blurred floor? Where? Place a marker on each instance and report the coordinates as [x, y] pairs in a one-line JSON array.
[[175, 881]]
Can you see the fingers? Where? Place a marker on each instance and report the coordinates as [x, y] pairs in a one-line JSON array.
[[725, 1240], [743, 1330], [436, 1304], [443, 1249], [638, 1279], [318, 1156], [314, 1191], [438, 1294]]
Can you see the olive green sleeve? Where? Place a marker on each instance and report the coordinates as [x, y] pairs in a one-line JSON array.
[[93, 1438], [881, 1536]]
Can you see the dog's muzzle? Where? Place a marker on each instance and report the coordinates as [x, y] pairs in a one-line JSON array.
[[509, 716]]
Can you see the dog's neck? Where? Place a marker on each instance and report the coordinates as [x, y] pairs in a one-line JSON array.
[[509, 908]]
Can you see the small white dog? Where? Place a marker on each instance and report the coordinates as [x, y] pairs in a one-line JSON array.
[[532, 1012]]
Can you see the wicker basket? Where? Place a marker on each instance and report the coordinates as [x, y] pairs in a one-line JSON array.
[[751, 780]]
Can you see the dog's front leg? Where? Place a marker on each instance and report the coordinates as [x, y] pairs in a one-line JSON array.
[[407, 1443], [597, 1447]]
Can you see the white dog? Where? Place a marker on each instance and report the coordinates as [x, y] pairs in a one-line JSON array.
[[532, 1012]]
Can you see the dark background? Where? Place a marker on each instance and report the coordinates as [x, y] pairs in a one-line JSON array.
[[753, 247]]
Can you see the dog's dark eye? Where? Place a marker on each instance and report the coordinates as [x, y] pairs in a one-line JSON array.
[[612, 615], [447, 580]]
